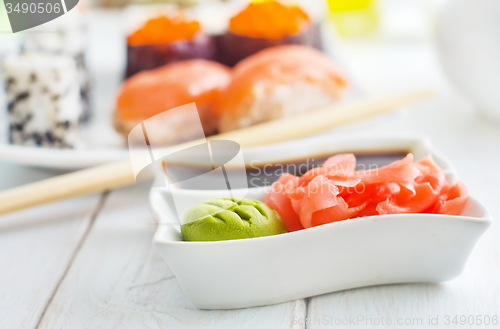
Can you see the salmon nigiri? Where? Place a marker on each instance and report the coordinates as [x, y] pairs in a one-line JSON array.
[[279, 82], [152, 92]]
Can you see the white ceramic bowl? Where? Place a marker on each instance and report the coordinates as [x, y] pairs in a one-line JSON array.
[[337, 256], [468, 35]]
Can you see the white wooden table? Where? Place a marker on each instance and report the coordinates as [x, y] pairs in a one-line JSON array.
[[89, 263]]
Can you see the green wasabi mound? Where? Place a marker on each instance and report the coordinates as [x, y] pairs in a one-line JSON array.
[[227, 219]]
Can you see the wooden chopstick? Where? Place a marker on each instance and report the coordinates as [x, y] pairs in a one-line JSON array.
[[118, 174]]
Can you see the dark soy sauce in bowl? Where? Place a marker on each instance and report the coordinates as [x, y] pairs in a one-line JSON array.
[[263, 174]]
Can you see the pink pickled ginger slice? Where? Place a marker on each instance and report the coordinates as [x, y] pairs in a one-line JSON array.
[[453, 201], [277, 200]]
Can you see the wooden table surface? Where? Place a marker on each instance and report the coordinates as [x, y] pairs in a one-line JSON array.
[[89, 263]]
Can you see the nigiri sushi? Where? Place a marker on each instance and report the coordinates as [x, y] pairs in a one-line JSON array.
[[279, 82], [266, 24], [166, 39], [152, 92]]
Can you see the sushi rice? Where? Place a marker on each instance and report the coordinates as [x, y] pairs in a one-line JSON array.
[[44, 104]]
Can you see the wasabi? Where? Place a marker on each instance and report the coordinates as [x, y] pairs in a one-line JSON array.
[[229, 219]]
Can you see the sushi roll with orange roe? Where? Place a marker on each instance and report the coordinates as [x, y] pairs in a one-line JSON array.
[[152, 92], [263, 25], [279, 82], [167, 39]]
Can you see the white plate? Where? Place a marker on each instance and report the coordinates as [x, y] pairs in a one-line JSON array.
[[102, 143], [337, 256]]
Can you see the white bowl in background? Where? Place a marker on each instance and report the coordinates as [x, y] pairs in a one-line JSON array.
[[337, 256], [469, 50]]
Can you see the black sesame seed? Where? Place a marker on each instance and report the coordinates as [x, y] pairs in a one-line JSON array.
[[10, 82], [66, 124], [18, 98], [23, 96], [50, 137], [38, 139], [84, 94]]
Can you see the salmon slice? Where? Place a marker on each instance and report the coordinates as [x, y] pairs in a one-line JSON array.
[[279, 82], [152, 92]]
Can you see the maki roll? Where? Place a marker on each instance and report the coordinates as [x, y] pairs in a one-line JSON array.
[[164, 40], [279, 82], [43, 96], [69, 38], [263, 25], [149, 93]]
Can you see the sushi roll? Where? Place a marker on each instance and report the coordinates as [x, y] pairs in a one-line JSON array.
[[152, 92], [263, 25], [279, 82], [166, 39], [43, 96], [68, 36]]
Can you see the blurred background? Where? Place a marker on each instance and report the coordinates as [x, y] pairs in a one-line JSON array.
[[367, 33], [383, 47]]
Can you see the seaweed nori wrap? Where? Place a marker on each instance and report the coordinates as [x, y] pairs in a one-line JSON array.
[[147, 57], [263, 25], [232, 48], [164, 40]]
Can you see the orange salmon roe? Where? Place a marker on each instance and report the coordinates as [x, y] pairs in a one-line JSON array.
[[269, 19], [164, 29]]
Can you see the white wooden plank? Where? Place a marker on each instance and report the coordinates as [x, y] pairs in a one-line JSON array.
[[14, 175], [36, 246], [119, 281]]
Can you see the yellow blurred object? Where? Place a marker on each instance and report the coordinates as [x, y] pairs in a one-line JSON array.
[[354, 17]]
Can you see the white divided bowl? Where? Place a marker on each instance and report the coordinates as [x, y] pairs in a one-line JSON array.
[[337, 256]]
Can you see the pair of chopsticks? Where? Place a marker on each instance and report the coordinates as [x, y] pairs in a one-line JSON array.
[[119, 174]]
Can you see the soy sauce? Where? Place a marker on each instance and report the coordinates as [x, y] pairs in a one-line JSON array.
[[264, 174]]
